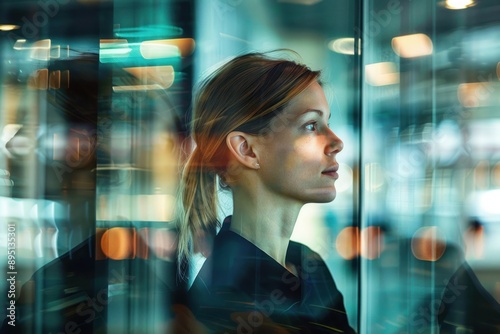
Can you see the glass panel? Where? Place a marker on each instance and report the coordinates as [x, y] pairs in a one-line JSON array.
[[95, 100], [49, 98], [430, 161], [93, 96]]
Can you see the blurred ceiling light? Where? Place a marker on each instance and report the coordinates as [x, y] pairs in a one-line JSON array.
[[428, 244], [8, 27], [344, 46], [381, 74], [477, 94], [301, 2], [161, 75], [458, 4], [40, 50], [167, 48], [411, 46]]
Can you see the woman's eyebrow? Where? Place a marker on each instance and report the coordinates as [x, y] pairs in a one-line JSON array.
[[318, 111]]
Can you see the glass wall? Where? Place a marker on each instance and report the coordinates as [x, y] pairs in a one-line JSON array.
[[429, 180], [95, 99]]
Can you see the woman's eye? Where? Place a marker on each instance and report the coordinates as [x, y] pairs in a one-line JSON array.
[[311, 126]]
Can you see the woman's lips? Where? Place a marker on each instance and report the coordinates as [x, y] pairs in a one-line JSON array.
[[331, 172]]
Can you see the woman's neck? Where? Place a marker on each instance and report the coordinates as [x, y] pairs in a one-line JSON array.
[[266, 222]]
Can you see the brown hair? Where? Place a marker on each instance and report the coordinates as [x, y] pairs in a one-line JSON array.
[[245, 94]]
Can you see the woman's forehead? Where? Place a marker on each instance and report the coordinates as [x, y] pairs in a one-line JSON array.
[[311, 99]]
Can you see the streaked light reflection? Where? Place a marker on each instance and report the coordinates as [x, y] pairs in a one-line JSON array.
[[167, 48], [110, 49], [411, 46]]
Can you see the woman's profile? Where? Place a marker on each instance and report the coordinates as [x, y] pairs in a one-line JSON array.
[[261, 128]]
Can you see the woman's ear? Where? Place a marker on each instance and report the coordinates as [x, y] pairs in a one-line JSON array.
[[241, 148]]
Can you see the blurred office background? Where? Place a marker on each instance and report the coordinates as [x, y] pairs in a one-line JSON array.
[[95, 97]]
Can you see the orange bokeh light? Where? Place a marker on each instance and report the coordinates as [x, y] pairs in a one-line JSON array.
[[371, 242], [119, 243], [347, 243], [428, 244]]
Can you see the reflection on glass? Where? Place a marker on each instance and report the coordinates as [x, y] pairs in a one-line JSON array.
[[94, 102], [433, 136], [411, 46]]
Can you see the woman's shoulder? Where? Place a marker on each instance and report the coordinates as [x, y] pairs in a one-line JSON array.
[[303, 254]]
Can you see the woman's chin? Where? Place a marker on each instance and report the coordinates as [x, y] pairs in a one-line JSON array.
[[322, 196]]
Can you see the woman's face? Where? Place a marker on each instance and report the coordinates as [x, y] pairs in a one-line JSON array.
[[298, 156]]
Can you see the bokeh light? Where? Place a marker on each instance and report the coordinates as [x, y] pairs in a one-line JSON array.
[[347, 243], [412, 46], [372, 242], [119, 243], [428, 243]]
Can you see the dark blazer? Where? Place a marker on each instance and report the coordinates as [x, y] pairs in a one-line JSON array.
[[242, 289], [467, 306]]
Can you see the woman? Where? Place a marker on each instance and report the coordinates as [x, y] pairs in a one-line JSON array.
[[261, 127]]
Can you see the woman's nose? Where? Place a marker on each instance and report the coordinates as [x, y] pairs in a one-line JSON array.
[[335, 144]]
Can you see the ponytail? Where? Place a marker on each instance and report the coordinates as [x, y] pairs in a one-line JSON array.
[[198, 212]]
